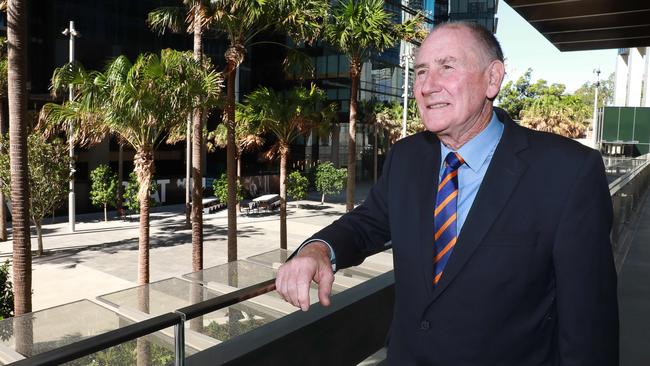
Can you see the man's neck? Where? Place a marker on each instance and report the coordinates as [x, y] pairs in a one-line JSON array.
[[480, 123]]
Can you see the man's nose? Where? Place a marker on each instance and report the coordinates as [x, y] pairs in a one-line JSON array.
[[429, 84]]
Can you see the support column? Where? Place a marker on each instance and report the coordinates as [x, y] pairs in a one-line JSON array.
[[620, 84], [636, 67]]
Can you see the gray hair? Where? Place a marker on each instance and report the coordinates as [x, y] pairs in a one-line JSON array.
[[489, 43]]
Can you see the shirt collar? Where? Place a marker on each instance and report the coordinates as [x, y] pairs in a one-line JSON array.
[[476, 151]]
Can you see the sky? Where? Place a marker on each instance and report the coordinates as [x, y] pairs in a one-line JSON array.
[[525, 47]]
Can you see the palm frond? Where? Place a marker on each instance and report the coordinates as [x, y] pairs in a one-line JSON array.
[[170, 18]]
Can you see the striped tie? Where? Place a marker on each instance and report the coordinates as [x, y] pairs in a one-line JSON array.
[[445, 214]]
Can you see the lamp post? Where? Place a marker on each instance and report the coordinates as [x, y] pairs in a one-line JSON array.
[[70, 31], [594, 122], [406, 58]]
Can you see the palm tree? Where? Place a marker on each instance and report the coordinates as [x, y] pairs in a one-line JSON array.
[[141, 103], [241, 21], [3, 87], [359, 28], [247, 137], [287, 116], [171, 18], [17, 98]]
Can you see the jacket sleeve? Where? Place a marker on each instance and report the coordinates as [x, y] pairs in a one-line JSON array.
[[365, 230], [587, 307]]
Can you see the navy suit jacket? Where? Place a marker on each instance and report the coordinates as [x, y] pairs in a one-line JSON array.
[[531, 280]]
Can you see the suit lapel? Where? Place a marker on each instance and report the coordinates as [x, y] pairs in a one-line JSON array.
[[428, 174], [500, 180]]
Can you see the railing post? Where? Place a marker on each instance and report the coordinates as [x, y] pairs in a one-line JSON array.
[[179, 340]]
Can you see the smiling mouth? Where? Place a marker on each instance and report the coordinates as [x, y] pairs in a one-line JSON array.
[[437, 105]]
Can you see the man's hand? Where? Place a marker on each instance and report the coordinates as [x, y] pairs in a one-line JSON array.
[[295, 276]]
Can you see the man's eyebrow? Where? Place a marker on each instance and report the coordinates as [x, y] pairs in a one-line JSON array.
[[445, 60]]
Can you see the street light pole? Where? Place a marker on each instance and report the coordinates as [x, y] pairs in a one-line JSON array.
[[406, 58], [594, 122], [70, 31]]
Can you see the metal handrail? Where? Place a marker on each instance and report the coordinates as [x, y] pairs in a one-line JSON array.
[[623, 180], [102, 341], [130, 332], [223, 301]]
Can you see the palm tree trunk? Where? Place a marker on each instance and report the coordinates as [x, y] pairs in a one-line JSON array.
[[17, 59], [355, 70], [284, 156], [231, 165], [3, 216], [197, 157], [120, 178], [143, 347], [143, 162]]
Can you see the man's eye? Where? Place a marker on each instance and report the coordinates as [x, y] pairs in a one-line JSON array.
[[447, 67]]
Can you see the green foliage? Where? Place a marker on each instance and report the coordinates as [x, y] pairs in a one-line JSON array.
[[49, 174], [516, 97], [223, 332], [220, 187], [605, 92], [359, 28], [103, 190], [287, 115], [389, 116], [122, 354], [131, 193], [297, 185], [330, 180], [6, 294]]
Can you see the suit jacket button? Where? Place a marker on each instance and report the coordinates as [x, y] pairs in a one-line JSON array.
[[424, 325]]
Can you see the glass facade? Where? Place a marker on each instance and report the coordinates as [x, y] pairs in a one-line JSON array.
[[480, 11]]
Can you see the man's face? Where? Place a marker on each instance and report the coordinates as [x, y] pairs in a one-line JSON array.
[[451, 82]]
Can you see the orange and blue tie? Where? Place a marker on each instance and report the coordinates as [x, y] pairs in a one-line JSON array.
[[445, 215]]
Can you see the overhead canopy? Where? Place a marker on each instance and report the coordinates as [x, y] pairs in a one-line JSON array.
[[576, 25]]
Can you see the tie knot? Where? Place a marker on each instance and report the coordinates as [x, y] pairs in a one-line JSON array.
[[454, 161]]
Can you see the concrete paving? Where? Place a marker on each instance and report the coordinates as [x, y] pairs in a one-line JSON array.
[[101, 257]]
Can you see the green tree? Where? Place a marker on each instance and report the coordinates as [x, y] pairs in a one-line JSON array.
[[329, 179], [195, 16], [241, 21], [359, 28], [103, 189], [6, 294], [141, 102], [516, 96], [131, 200], [287, 116], [49, 172], [297, 185], [605, 92], [247, 138], [220, 187]]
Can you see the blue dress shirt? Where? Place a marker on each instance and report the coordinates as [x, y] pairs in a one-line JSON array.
[[477, 154]]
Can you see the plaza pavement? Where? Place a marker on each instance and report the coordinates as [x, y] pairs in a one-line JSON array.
[[101, 257]]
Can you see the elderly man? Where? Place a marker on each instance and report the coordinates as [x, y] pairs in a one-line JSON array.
[[500, 234]]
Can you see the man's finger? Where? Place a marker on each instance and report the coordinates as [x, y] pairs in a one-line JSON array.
[[303, 281], [325, 287]]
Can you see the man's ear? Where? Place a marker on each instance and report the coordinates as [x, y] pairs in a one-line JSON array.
[[496, 71]]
